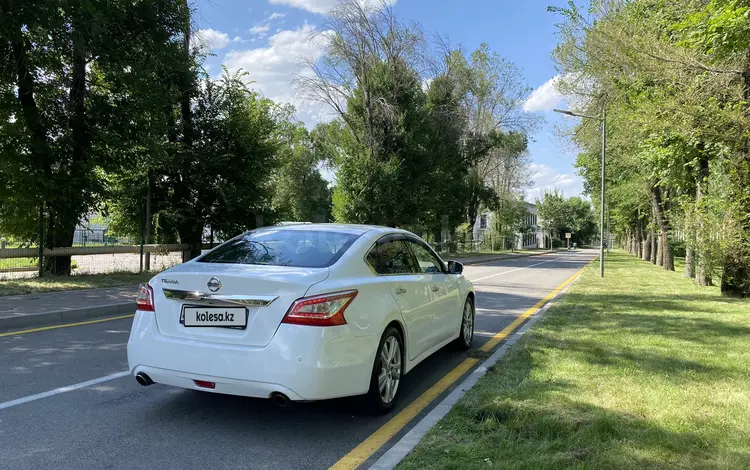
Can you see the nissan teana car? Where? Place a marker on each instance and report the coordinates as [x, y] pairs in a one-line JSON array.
[[302, 312]]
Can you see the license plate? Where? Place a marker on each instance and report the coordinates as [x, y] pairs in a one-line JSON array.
[[222, 317]]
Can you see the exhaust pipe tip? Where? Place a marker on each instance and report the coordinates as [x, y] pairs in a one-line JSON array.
[[280, 399], [143, 379]]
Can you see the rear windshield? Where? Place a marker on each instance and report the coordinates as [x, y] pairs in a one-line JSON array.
[[297, 248]]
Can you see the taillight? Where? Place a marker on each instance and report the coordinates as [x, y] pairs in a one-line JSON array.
[[145, 299], [320, 310]]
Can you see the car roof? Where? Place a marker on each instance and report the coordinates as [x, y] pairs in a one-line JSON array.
[[354, 229]]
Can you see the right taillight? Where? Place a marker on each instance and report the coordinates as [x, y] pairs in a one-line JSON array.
[[320, 310], [145, 300]]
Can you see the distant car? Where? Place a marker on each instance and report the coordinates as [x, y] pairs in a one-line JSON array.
[[302, 312]]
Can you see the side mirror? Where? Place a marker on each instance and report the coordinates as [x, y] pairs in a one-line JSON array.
[[454, 267]]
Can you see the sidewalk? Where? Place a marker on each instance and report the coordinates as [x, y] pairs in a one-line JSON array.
[[55, 308]]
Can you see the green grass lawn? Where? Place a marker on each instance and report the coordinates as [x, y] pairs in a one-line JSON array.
[[51, 284], [640, 370], [8, 263]]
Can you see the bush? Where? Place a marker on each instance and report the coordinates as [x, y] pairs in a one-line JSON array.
[[678, 247]]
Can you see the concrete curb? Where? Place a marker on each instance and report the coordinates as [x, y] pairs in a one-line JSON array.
[[62, 317], [393, 456]]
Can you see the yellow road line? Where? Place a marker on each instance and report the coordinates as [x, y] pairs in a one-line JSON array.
[[375, 441], [489, 345], [67, 325]]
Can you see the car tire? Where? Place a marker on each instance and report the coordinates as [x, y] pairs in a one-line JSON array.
[[465, 338], [382, 396]]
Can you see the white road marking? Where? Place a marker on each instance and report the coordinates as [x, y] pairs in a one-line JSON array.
[[57, 391], [484, 263], [514, 270]]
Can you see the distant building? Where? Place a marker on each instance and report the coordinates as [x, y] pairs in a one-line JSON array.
[[533, 239]]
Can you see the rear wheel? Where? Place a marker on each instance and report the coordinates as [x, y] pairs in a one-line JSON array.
[[386, 372], [466, 335]]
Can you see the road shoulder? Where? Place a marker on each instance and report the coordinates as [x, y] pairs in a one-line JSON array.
[[51, 309]]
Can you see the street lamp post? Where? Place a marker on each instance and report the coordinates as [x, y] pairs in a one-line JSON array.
[[603, 120]]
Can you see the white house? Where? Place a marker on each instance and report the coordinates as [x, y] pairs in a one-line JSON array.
[[534, 239]]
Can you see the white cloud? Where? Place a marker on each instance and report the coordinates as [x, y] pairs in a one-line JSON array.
[[260, 29], [323, 6], [547, 179], [276, 15], [209, 39], [273, 68], [544, 98]]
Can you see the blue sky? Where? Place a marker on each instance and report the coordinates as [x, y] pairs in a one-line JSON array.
[[266, 38]]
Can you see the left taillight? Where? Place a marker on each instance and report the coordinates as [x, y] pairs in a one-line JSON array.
[[145, 299], [320, 310]]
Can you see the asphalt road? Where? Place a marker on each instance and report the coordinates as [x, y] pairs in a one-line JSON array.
[[119, 424]]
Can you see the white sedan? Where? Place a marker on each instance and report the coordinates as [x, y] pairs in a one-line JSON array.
[[306, 312]]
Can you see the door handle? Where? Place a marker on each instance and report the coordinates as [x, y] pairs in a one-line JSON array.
[[435, 288], [400, 290]]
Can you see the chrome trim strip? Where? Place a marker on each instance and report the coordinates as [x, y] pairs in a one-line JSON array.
[[252, 300]]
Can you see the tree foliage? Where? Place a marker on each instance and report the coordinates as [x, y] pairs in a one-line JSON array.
[[74, 78], [420, 140], [105, 108], [675, 79], [558, 215]]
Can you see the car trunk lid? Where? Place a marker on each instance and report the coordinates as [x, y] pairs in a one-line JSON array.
[[266, 291]]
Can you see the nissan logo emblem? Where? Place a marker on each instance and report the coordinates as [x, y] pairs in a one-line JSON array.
[[214, 284]]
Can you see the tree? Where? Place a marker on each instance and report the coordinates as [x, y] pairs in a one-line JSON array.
[[410, 149], [558, 215], [493, 94], [552, 213], [65, 109], [511, 221], [581, 220], [675, 79], [222, 180], [301, 193]]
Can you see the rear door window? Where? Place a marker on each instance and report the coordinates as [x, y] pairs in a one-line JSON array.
[[428, 262], [283, 247], [392, 257]]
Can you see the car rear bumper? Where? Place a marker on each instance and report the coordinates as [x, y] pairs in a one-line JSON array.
[[302, 362]]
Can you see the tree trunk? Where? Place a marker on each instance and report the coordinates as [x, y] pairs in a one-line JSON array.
[[667, 253], [147, 229], [639, 238], [631, 240], [663, 221], [735, 279], [689, 262], [702, 256], [654, 247], [647, 247], [64, 211], [660, 250], [191, 234], [702, 268], [59, 233]]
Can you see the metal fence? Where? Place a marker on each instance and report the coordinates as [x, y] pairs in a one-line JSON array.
[[487, 243]]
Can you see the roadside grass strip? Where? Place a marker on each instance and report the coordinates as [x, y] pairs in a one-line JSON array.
[[641, 369]]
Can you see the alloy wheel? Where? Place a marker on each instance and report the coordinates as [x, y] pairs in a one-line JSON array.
[[390, 369]]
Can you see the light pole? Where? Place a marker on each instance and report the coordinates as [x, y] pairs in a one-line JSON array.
[[603, 120]]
